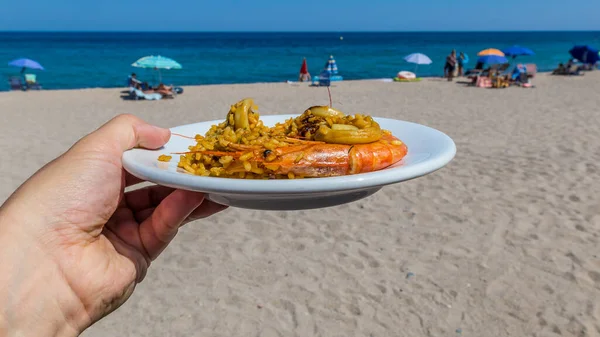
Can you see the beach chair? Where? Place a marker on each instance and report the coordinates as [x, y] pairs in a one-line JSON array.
[[531, 70], [15, 83], [574, 70], [586, 67], [31, 82], [474, 74], [138, 94], [523, 81], [325, 79], [131, 81], [517, 71], [500, 82], [503, 69]]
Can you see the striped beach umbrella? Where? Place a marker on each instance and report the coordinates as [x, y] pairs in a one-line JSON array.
[[331, 66], [490, 51], [157, 63]]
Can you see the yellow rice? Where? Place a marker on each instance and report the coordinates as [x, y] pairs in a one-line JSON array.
[[258, 139]]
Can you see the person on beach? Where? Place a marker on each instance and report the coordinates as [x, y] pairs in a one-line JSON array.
[[450, 65], [161, 89], [560, 70], [133, 81], [164, 90], [74, 244], [304, 75], [461, 63], [570, 63]]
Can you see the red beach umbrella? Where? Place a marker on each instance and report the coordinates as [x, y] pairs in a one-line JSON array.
[[304, 68]]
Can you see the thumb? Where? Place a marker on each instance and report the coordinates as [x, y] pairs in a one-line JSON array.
[[125, 132]]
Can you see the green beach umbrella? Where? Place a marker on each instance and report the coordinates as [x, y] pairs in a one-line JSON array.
[[157, 63]]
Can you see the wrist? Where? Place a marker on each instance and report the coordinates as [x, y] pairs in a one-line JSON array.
[[34, 300]]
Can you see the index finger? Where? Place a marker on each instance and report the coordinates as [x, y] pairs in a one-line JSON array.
[[159, 229]]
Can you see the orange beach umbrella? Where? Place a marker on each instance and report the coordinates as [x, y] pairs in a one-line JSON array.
[[490, 51]]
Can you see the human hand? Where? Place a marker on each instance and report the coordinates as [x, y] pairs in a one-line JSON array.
[[73, 245]]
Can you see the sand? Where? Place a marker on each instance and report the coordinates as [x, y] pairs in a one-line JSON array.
[[504, 241]]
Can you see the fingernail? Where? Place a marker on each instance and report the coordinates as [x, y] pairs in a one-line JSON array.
[[158, 130], [166, 133], [152, 136]]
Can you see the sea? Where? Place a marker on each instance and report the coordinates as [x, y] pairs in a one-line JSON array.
[[75, 60]]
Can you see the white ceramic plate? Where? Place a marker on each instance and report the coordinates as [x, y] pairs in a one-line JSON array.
[[428, 150]]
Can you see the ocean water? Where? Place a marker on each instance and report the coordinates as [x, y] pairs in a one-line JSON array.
[[89, 60]]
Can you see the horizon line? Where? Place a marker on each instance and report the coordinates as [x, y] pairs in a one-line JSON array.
[[298, 31]]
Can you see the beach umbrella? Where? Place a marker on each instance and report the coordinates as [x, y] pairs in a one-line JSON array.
[[492, 59], [331, 66], [157, 63], [585, 54], [304, 67], [516, 50], [25, 63], [490, 51], [417, 58]]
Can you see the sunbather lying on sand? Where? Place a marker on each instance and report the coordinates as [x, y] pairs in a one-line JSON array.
[[164, 90], [560, 70], [163, 87], [569, 69]]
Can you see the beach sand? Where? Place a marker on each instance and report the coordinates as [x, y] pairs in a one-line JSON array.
[[503, 241]]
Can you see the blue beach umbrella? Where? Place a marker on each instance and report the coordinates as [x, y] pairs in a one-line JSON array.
[[157, 63], [516, 50], [585, 54], [25, 63], [331, 66], [492, 59]]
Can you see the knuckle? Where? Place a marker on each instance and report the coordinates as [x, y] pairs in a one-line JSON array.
[[163, 229], [127, 118]]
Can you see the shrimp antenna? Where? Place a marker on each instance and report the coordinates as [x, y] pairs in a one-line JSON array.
[[329, 92]]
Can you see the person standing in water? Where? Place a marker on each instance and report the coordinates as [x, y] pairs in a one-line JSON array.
[[450, 65], [462, 60]]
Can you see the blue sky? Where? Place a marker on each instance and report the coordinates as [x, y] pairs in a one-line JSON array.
[[305, 15]]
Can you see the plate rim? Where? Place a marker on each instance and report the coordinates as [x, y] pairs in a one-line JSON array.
[[232, 186]]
